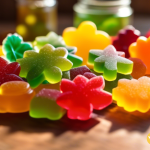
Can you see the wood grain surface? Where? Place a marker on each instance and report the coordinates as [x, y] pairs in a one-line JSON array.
[[110, 129]]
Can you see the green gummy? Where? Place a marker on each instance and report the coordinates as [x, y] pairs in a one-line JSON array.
[[14, 47]]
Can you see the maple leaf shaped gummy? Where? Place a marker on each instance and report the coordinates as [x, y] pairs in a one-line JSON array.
[[86, 37], [125, 38], [82, 95], [140, 49], [14, 47], [108, 62], [48, 65], [133, 94], [44, 105], [9, 72]]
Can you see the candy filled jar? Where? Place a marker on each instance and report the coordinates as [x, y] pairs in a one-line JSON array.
[[36, 17], [108, 15]]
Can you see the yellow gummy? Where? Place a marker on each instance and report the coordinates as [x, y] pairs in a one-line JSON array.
[[85, 38]]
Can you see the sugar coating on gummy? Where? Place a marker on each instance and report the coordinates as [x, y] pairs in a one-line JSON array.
[[86, 37], [80, 96], [14, 47], [125, 38], [109, 63], [9, 71], [133, 94], [139, 68], [51, 38], [140, 49], [15, 97], [78, 71], [44, 105], [48, 65]]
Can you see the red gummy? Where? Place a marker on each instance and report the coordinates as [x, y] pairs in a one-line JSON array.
[[82, 95], [9, 72], [78, 71], [125, 38], [148, 34]]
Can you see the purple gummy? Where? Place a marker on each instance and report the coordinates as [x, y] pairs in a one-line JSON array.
[[78, 71]]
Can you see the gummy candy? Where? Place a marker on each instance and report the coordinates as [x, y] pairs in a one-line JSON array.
[[57, 41], [148, 34], [86, 37], [47, 86], [109, 63], [109, 85], [78, 71], [44, 105], [15, 97], [133, 94], [82, 95], [14, 47], [9, 72], [139, 68], [48, 65], [125, 38], [140, 49], [51, 38], [1, 52]]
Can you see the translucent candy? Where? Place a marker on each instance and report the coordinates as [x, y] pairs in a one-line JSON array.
[[86, 37], [51, 38], [48, 65], [139, 68], [44, 105], [108, 62], [82, 95], [125, 38], [1, 51], [15, 97], [9, 72], [78, 71], [14, 47], [140, 49], [133, 94]]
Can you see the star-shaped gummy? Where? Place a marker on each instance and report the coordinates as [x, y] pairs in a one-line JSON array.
[[125, 38], [9, 72], [109, 62], [133, 94], [14, 47], [86, 37], [48, 65], [82, 95], [141, 49]]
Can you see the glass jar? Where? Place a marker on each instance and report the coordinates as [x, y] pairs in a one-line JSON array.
[[36, 18], [108, 15]]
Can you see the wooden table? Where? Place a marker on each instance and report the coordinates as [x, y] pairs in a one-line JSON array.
[[110, 129]]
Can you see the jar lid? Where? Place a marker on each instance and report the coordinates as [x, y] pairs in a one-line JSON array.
[[38, 3], [106, 2]]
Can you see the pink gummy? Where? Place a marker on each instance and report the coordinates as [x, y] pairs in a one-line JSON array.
[[9, 72], [82, 95], [125, 38]]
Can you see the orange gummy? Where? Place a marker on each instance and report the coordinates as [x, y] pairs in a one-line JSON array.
[[141, 49], [85, 38], [133, 94], [15, 97]]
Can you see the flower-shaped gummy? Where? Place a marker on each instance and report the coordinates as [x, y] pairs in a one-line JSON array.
[[82, 95]]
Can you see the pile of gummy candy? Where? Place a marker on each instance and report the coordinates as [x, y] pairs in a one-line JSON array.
[[83, 70]]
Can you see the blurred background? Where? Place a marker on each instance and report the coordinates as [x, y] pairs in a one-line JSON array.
[[15, 16]]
